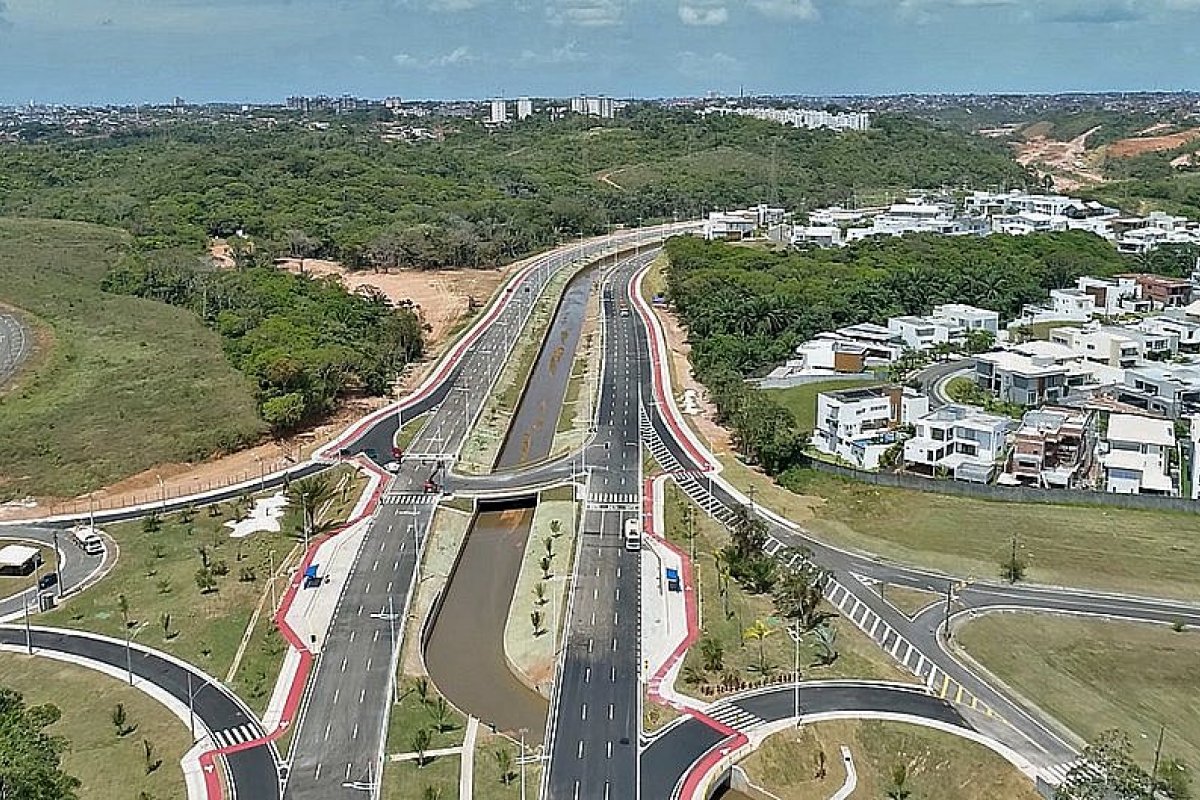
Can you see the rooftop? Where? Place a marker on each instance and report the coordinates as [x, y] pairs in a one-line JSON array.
[[15, 555], [1147, 430]]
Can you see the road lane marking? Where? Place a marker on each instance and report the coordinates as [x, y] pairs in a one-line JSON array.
[[328, 725], [583, 712], [317, 774], [336, 692], [579, 754], [375, 638], [611, 708], [587, 674], [343, 669], [389, 588], [361, 694], [608, 749], [354, 735]]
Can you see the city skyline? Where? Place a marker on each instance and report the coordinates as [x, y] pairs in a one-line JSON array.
[[127, 51]]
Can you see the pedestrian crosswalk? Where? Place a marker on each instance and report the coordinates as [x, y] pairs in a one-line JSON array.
[[735, 717], [1056, 774], [410, 499], [236, 735], [613, 498]]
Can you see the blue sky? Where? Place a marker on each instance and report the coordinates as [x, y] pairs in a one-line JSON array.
[[95, 51]]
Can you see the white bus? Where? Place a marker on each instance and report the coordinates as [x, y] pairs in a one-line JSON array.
[[633, 534], [88, 539]]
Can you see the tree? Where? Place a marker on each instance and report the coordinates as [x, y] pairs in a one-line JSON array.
[[539, 593], [420, 743], [799, 592], [123, 609], [504, 765], [759, 632], [205, 581], [548, 543], [535, 617], [898, 788], [152, 762], [545, 564], [979, 341], [712, 653], [1012, 569], [826, 638], [151, 523], [421, 689], [31, 759], [164, 620], [1106, 771], [120, 720], [555, 526], [440, 710], [306, 497], [284, 413]]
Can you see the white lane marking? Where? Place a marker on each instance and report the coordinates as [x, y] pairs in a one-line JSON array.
[[610, 710], [354, 735], [580, 753], [343, 668], [317, 774], [328, 725], [583, 713], [361, 694]]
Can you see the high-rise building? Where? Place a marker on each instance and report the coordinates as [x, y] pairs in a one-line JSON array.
[[524, 108], [593, 106], [579, 104], [499, 113]]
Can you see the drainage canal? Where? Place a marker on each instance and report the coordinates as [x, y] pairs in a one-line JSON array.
[[465, 651]]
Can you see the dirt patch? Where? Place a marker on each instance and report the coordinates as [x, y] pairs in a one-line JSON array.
[[443, 296], [682, 378], [1136, 146], [1068, 163], [221, 255]]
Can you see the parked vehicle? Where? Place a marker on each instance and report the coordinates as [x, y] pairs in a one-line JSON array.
[[88, 539], [633, 535], [392, 466], [47, 581]]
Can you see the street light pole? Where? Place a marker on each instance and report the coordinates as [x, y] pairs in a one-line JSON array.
[[28, 632], [58, 565], [523, 763], [796, 699], [271, 578], [392, 633], [946, 618], [191, 706], [162, 490], [128, 656]]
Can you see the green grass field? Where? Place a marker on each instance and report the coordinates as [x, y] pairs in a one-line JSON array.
[[126, 383], [1147, 552], [156, 573], [802, 400], [1095, 675], [108, 765], [939, 765]]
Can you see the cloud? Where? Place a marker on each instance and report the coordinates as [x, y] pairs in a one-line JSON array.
[[1068, 11], [585, 13], [703, 12], [458, 57], [565, 54], [5, 23], [451, 6], [800, 10], [705, 66]]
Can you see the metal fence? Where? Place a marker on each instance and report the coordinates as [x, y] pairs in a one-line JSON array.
[[1009, 494]]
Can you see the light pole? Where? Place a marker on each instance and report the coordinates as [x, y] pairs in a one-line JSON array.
[[392, 634], [162, 490], [523, 731], [28, 632], [128, 656], [796, 698], [58, 565], [271, 578], [191, 703], [262, 476]]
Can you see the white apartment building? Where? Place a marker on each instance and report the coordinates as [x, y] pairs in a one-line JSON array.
[[730, 225], [499, 112], [859, 425], [801, 117], [1138, 457], [959, 440], [524, 108]]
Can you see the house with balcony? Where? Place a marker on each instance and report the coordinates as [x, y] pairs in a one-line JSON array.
[[859, 425], [1163, 292], [1014, 377], [968, 318], [958, 441], [1138, 455], [1175, 323], [1052, 449], [1102, 345]]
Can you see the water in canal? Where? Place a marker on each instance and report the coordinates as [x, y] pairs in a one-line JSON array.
[[465, 652]]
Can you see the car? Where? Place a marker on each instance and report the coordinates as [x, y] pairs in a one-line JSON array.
[[47, 581], [392, 466], [624, 311]]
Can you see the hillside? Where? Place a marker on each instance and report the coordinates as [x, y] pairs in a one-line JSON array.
[[120, 384]]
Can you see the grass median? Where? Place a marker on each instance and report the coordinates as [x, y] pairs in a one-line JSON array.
[[1096, 675], [108, 765], [123, 384]]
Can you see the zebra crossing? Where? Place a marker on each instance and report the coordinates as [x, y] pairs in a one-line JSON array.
[[235, 736], [613, 498], [411, 499], [735, 717], [1056, 774]]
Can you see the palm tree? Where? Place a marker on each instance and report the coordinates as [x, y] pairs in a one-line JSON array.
[[759, 631], [123, 608], [504, 764], [712, 653], [420, 743], [307, 496], [440, 710], [899, 789], [826, 637]]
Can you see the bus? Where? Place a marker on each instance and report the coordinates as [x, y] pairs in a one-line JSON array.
[[633, 534], [89, 540]]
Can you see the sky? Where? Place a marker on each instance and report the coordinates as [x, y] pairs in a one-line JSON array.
[[122, 51]]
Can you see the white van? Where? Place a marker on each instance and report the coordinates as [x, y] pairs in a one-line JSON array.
[[633, 535], [88, 539]]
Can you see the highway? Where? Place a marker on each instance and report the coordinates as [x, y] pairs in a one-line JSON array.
[[15, 346], [251, 772], [595, 715]]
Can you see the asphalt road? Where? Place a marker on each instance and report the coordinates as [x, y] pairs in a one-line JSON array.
[[15, 346], [596, 713], [252, 772], [671, 754], [77, 567]]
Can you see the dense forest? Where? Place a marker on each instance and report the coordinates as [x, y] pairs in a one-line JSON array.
[[476, 198], [745, 309], [303, 340], [30, 758]]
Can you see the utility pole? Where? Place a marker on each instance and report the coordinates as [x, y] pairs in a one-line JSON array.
[[946, 618], [28, 632], [1162, 730]]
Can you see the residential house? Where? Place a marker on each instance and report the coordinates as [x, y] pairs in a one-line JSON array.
[[1017, 378], [921, 333], [957, 440], [1102, 345], [1052, 448], [1162, 291], [1139, 455], [859, 425], [730, 225], [1172, 390], [968, 318], [1184, 329]]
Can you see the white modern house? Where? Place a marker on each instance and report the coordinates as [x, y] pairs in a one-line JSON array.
[[921, 333], [968, 318], [1138, 457], [960, 440], [859, 425]]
